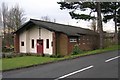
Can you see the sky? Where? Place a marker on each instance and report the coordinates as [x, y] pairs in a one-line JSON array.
[[35, 9]]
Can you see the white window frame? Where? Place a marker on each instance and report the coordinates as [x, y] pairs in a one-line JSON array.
[[73, 40]]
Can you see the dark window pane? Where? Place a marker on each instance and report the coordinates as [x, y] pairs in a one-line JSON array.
[[22, 43], [47, 43], [32, 43], [51, 43]]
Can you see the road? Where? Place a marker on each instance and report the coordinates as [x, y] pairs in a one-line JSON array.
[[103, 65]]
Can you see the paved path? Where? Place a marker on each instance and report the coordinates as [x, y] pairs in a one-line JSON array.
[[103, 65]]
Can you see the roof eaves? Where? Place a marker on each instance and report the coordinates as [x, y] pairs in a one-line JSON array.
[[21, 27]]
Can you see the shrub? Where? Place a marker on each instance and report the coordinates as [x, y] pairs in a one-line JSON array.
[[21, 55], [3, 55], [28, 54], [14, 55], [43, 55], [76, 50], [9, 55], [38, 55]]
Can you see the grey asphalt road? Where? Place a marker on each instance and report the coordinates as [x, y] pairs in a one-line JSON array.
[[93, 66]]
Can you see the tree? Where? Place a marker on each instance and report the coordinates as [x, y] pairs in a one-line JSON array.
[[119, 35], [4, 15], [100, 26], [111, 10], [45, 18], [16, 17], [12, 18], [84, 6]]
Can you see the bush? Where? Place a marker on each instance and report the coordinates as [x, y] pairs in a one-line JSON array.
[[28, 54], [76, 50], [21, 55], [39, 55], [14, 55], [3, 55], [9, 55]]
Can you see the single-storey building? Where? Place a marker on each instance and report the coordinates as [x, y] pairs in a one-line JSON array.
[[43, 37]]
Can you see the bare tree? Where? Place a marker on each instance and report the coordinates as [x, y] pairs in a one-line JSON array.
[[16, 17], [45, 18], [4, 15], [12, 18]]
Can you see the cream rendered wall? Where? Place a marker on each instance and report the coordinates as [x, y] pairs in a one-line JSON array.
[[46, 34], [22, 39], [33, 33], [27, 42]]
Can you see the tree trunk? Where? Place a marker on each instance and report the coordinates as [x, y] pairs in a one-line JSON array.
[[116, 34], [99, 24]]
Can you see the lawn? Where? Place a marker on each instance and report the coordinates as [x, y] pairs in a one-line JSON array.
[[18, 62]]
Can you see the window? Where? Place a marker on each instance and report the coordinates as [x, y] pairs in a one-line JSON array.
[[73, 40], [32, 43], [47, 43], [52, 43], [22, 43], [83, 43]]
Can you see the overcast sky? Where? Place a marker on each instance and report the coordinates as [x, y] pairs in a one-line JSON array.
[[37, 8]]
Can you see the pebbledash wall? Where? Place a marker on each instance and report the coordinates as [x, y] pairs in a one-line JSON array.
[[33, 34]]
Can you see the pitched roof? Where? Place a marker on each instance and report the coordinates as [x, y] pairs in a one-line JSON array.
[[67, 29]]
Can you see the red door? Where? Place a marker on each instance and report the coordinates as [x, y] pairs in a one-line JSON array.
[[40, 46]]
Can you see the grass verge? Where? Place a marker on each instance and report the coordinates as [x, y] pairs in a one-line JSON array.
[[98, 51], [20, 62]]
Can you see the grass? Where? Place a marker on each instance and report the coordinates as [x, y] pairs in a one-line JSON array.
[[18, 62], [98, 51], [11, 63]]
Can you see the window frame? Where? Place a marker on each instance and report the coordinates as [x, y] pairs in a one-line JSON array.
[[73, 40]]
